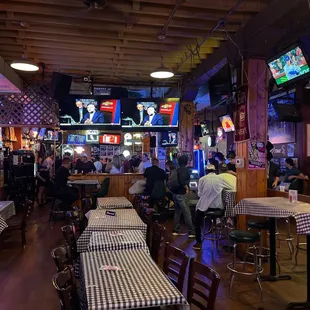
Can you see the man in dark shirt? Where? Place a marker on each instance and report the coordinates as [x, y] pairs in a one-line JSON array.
[[181, 203], [84, 165], [231, 158], [67, 194], [292, 172], [154, 175]]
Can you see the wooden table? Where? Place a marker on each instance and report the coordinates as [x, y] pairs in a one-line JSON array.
[[279, 207]]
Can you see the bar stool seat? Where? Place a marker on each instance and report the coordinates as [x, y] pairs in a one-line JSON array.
[[243, 236], [260, 225], [214, 213]]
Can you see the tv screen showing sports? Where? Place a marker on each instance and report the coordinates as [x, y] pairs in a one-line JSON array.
[[289, 66], [227, 123], [50, 135], [110, 139], [76, 139], [147, 114], [169, 138], [41, 134], [91, 111]]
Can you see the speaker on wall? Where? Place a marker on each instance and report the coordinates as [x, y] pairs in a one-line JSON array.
[[198, 133], [60, 85]]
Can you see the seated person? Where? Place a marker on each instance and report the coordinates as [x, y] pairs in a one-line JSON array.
[[153, 118], [84, 165], [155, 181], [292, 172], [67, 194], [93, 116], [210, 189]]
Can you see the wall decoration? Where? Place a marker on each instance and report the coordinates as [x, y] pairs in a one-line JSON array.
[[257, 154]]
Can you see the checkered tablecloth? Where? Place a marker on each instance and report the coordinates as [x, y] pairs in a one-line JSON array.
[[278, 207], [125, 219], [84, 182], [117, 240], [138, 284], [113, 203], [229, 202], [3, 224], [7, 209]]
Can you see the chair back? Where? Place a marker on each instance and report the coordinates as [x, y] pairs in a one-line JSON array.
[[64, 283], [68, 233], [104, 188], [175, 265], [28, 207], [207, 279], [158, 241], [62, 257], [86, 205]]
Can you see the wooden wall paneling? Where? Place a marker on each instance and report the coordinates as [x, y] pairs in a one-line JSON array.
[[146, 144]]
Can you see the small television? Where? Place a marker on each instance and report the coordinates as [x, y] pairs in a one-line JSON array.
[[150, 114], [76, 139], [92, 136], [50, 135], [41, 134], [227, 123], [34, 133], [110, 139], [169, 139], [89, 111], [205, 128], [289, 66]]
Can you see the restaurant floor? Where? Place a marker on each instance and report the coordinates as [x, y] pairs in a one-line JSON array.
[[25, 275]]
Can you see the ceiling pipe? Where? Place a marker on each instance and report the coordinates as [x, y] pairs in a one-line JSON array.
[[222, 21], [162, 34]]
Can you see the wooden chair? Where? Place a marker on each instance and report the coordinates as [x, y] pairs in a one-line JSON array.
[[101, 193], [68, 232], [175, 265], [62, 257], [158, 241], [64, 283], [19, 221], [208, 281]]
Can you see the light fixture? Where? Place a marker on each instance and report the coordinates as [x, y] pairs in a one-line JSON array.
[[79, 149], [307, 86], [162, 73], [212, 141], [126, 153], [24, 65]]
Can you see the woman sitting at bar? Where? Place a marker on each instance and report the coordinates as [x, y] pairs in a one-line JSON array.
[[292, 172], [115, 166]]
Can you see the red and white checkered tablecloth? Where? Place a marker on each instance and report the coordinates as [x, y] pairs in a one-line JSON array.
[[278, 207]]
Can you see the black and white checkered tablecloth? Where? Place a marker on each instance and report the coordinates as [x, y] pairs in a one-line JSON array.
[[138, 284], [113, 203], [229, 202], [117, 240], [278, 207], [3, 224], [98, 221], [7, 209]]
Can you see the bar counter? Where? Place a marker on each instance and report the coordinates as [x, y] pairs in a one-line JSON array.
[[119, 183]]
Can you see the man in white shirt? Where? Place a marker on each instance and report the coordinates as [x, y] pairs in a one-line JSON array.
[[210, 189], [145, 163]]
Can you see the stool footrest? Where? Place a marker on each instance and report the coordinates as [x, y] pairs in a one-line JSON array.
[[243, 263]]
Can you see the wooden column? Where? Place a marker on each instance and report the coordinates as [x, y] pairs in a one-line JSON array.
[[253, 182], [146, 146], [186, 127]]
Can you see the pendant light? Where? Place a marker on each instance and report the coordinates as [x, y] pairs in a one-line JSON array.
[[162, 72], [24, 64]]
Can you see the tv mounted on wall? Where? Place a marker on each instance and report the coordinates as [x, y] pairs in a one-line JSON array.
[[289, 65]]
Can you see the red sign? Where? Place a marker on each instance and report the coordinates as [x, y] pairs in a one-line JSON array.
[[167, 108], [242, 132], [110, 139], [108, 105]]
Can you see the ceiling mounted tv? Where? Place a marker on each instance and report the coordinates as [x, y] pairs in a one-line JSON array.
[[289, 66], [76, 139], [150, 114], [89, 111], [50, 135], [110, 139], [227, 123], [169, 139]]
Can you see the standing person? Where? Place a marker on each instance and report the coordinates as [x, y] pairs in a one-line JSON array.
[[115, 165], [84, 165], [210, 189], [145, 163], [175, 160], [98, 164], [179, 186], [273, 172], [125, 164], [292, 172], [43, 177], [49, 162]]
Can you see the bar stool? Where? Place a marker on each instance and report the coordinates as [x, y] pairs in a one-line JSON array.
[[288, 237], [263, 252], [299, 246], [215, 233], [244, 237]]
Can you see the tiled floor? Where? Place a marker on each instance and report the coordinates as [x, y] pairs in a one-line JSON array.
[[25, 275]]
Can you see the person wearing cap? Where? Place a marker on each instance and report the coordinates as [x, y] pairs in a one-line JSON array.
[[93, 116], [210, 189], [84, 165]]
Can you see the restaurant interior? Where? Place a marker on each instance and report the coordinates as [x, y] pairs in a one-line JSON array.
[[155, 154]]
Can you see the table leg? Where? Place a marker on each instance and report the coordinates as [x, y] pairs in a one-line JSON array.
[[306, 304], [273, 271]]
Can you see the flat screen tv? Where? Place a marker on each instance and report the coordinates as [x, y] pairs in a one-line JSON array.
[[150, 114], [110, 139], [91, 112], [50, 135], [169, 139], [289, 66], [205, 129], [41, 134], [227, 123], [76, 139]]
